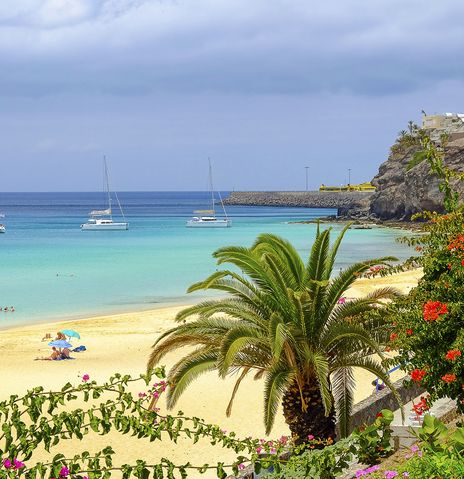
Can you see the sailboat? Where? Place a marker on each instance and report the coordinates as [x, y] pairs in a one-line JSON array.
[[102, 220], [208, 218], [2, 226]]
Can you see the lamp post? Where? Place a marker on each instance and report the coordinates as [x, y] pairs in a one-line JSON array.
[[306, 168]]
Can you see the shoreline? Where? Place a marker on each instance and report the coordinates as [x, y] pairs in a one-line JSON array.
[[360, 285], [122, 343]]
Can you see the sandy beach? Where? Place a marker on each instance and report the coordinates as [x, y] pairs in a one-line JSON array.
[[121, 343]]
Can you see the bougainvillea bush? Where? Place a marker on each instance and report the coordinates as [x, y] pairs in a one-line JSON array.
[[427, 326]]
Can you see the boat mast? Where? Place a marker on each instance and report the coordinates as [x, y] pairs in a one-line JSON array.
[[107, 185], [211, 187]]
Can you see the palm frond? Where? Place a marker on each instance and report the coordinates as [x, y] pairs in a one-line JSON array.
[[275, 385], [235, 390], [317, 257], [328, 267], [188, 369], [289, 259], [321, 369], [235, 340], [374, 367], [343, 384]]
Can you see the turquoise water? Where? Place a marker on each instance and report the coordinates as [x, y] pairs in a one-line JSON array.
[[51, 270]]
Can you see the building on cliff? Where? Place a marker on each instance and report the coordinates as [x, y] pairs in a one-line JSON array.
[[450, 123]]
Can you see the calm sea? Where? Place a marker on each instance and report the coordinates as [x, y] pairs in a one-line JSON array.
[[50, 269]]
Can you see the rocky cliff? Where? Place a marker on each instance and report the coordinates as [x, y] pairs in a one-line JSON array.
[[401, 193]]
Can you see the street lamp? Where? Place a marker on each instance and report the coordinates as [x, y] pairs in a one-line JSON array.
[[306, 168]]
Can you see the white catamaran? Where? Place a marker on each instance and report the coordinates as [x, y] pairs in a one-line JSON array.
[[102, 220], [208, 217], [2, 226]]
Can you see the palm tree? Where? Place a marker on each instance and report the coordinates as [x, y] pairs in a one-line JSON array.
[[282, 321]]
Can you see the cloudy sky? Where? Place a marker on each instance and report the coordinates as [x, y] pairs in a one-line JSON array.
[[263, 87]]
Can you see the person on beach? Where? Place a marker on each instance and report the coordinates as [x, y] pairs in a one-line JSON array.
[[65, 353], [55, 355], [60, 335]]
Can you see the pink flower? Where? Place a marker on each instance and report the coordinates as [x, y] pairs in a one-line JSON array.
[[273, 450], [18, 464], [283, 440], [259, 450], [156, 395], [310, 437], [241, 466], [64, 471], [142, 395], [7, 463], [405, 474], [390, 474], [85, 378]]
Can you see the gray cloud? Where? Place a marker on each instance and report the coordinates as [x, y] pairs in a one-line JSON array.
[[124, 47]]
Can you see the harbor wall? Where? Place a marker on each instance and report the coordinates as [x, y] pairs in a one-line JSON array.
[[344, 201]]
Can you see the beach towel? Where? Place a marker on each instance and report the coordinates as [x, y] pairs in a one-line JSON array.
[[79, 349]]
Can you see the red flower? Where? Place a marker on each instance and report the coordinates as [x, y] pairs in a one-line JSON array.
[[409, 332], [388, 349], [449, 266], [379, 414], [462, 262], [393, 337], [433, 309], [421, 407], [452, 354], [417, 375], [449, 378]]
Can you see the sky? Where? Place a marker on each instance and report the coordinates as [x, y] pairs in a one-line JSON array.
[[264, 88]]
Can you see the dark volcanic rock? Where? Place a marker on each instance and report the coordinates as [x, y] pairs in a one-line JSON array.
[[401, 193]]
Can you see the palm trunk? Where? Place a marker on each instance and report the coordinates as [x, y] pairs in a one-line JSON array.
[[313, 421]]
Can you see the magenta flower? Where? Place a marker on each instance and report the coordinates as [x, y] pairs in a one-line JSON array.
[[241, 466], [283, 440], [85, 378], [142, 395], [405, 474], [365, 472], [310, 437], [390, 474], [64, 471], [259, 450], [18, 464], [7, 463], [273, 450], [156, 395]]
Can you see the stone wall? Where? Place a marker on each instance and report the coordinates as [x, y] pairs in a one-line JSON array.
[[344, 201], [366, 410]]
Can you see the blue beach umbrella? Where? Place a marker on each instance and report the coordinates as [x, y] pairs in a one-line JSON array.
[[60, 343], [71, 333]]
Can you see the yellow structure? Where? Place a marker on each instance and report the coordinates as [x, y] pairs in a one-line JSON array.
[[361, 187]]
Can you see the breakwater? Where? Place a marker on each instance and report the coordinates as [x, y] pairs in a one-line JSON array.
[[344, 201]]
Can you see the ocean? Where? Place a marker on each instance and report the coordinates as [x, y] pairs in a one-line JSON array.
[[51, 270]]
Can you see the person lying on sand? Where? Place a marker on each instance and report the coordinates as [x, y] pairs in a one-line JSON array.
[[55, 355]]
